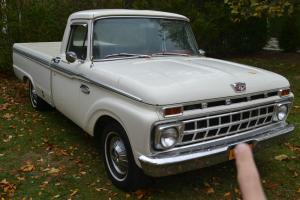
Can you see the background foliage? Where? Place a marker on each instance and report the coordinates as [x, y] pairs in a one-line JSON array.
[[222, 27]]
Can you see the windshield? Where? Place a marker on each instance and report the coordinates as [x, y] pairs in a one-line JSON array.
[[142, 36]]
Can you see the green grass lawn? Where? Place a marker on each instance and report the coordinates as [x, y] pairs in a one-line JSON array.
[[43, 155]]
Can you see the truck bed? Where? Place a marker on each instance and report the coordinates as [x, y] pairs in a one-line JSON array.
[[43, 51], [32, 61]]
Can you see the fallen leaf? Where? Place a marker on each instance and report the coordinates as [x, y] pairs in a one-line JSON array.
[[272, 186], [8, 116], [28, 167], [74, 192], [4, 106], [281, 157], [2, 154], [298, 190], [100, 189], [8, 139], [21, 178], [295, 174], [209, 190], [293, 147], [44, 185], [228, 195], [56, 196], [52, 170], [127, 195], [82, 173], [7, 187], [141, 193]]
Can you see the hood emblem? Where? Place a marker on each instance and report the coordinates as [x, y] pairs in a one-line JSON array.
[[239, 87]]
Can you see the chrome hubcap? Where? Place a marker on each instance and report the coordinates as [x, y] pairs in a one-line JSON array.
[[116, 156], [33, 95]]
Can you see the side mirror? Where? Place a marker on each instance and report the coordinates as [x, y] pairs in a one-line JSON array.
[[71, 56], [202, 52]]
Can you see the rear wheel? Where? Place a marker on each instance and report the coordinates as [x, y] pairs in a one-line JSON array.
[[119, 162], [36, 102]]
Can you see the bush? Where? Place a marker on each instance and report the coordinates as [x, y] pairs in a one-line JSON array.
[[219, 35], [289, 34], [215, 31], [36, 21]]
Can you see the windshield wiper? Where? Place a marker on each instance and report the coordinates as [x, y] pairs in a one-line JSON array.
[[169, 54], [126, 55]]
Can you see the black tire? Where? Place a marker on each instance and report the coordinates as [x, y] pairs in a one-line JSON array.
[[37, 102], [115, 150]]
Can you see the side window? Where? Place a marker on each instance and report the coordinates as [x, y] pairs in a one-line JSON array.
[[78, 40]]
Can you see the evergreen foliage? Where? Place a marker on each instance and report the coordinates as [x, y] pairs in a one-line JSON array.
[[220, 26]]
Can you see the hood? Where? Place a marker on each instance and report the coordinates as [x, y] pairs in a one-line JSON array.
[[171, 80]]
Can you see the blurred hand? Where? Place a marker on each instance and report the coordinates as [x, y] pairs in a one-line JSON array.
[[248, 176]]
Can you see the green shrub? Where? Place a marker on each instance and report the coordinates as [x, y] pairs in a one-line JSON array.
[[289, 34], [36, 21], [219, 35], [215, 31]]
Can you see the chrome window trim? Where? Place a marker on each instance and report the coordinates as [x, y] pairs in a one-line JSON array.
[[125, 16], [85, 24]]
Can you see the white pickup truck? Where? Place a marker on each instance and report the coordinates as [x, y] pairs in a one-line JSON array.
[[137, 80]]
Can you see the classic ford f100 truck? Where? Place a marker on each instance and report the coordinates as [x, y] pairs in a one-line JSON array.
[[137, 80]]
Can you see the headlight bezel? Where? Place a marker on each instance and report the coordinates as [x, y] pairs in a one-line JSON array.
[[282, 107], [161, 130]]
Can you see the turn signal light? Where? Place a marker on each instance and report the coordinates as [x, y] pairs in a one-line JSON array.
[[173, 111], [284, 92]]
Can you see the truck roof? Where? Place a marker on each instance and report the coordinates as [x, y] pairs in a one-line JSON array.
[[92, 14]]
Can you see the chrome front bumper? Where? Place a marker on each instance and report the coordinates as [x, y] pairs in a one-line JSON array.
[[209, 153]]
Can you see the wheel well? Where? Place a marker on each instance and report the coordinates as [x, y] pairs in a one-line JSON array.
[[101, 123]]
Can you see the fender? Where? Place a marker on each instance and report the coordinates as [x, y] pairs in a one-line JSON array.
[[134, 117]]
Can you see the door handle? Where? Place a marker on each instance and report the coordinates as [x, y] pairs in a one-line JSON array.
[[85, 89]]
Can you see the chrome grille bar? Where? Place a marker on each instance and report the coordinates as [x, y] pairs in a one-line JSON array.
[[214, 126]]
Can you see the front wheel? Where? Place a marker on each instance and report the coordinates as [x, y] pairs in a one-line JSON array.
[[119, 162]]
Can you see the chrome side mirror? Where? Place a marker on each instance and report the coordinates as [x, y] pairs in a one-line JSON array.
[[202, 52], [71, 56]]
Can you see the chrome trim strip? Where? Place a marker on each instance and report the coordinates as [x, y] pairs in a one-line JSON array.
[[48, 65], [142, 16], [59, 69], [123, 16], [221, 110], [45, 63], [177, 161], [208, 114], [205, 101], [88, 80]]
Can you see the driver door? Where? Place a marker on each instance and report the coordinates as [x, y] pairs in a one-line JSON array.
[[66, 79]]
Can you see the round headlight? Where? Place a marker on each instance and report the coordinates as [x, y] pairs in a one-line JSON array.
[[169, 137], [282, 112]]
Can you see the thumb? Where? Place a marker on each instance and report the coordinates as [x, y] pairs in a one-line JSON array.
[[248, 176]]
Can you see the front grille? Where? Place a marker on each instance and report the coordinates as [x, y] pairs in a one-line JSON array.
[[215, 126], [230, 100]]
